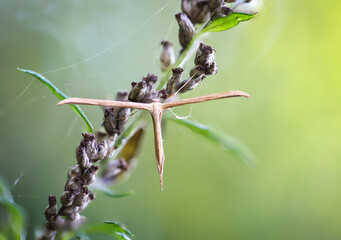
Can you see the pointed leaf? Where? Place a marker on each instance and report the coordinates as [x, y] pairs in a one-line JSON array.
[[225, 23], [4, 191], [74, 235], [14, 224], [110, 228], [101, 187], [68, 235], [82, 236], [60, 95], [2, 237], [233, 145], [131, 146]]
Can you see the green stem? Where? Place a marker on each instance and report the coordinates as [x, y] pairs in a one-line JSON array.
[[60, 95]]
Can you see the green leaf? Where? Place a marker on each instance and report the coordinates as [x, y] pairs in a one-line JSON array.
[[4, 192], [73, 235], [130, 147], [15, 218], [2, 237], [110, 228], [82, 236], [233, 145], [60, 95], [101, 187], [13, 221], [225, 23], [67, 235]]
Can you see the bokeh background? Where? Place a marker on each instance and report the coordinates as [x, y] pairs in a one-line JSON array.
[[287, 58]]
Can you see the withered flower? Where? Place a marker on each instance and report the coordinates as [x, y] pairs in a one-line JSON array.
[[221, 11], [186, 29], [198, 11], [174, 80], [167, 57]]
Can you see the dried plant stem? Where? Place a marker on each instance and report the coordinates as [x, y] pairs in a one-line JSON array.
[[148, 94], [156, 109]]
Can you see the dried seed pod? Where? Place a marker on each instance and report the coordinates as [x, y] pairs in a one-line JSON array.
[[186, 29], [205, 53], [109, 121], [122, 96], [198, 11], [167, 57], [66, 198], [151, 79], [211, 68], [190, 84], [67, 210], [162, 94], [155, 96], [115, 119], [74, 171], [73, 185], [146, 87], [221, 11], [102, 150], [207, 69], [51, 210], [138, 91], [174, 80], [197, 71], [81, 198], [82, 157], [214, 4], [90, 174], [90, 143], [91, 196], [121, 116]]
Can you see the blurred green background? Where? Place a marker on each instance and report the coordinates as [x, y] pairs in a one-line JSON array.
[[287, 58]]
